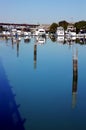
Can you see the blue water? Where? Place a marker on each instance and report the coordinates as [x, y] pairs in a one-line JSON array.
[[44, 88]]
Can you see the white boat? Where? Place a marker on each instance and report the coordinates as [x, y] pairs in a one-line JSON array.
[[19, 32], [71, 31], [13, 32], [27, 33], [60, 31], [6, 33], [40, 32]]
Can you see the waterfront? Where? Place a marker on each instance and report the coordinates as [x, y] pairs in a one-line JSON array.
[[42, 78]]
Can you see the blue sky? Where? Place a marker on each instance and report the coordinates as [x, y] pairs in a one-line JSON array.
[[42, 11]]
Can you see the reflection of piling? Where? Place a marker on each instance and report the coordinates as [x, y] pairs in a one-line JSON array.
[[75, 79], [17, 48], [35, 55], [12, 43]]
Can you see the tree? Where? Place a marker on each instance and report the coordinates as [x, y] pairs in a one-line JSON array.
[[64, 24], [80, 25], [53, 27], [1, 28]]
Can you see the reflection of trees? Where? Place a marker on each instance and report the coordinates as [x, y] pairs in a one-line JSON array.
[[82, 41], [71, 40], [53, 38]]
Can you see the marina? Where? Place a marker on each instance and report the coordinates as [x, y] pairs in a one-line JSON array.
[[42, 65]]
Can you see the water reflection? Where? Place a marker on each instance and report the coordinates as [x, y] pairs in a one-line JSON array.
[[16, 41], [17, 45], [53, 38], [68, 40], [40, 40], [82, 40], [27, 39], [61, 39], [35, 55], [10, 118], [75, 77]]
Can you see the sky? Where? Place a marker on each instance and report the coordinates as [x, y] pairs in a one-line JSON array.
[[42, 11]]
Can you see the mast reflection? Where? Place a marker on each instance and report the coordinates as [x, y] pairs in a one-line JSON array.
[[75, 78]]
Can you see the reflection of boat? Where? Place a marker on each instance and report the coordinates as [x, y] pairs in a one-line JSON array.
[[13, 39], [19, 38], [40, 32], [71, 34], [60, 31], [16, 39], [70, 40], [60, 39], [40, 39], [27, 38]]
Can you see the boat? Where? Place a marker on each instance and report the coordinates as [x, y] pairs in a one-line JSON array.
[[27, 33], [60, 31], [13, 31], [40, 32], [71, 31]]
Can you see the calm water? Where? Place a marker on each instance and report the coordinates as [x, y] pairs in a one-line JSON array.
[[41, 86]]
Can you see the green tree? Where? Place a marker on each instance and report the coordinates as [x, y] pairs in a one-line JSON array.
[[53, 27], [64, 24], [1, 28], [80, 25]]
